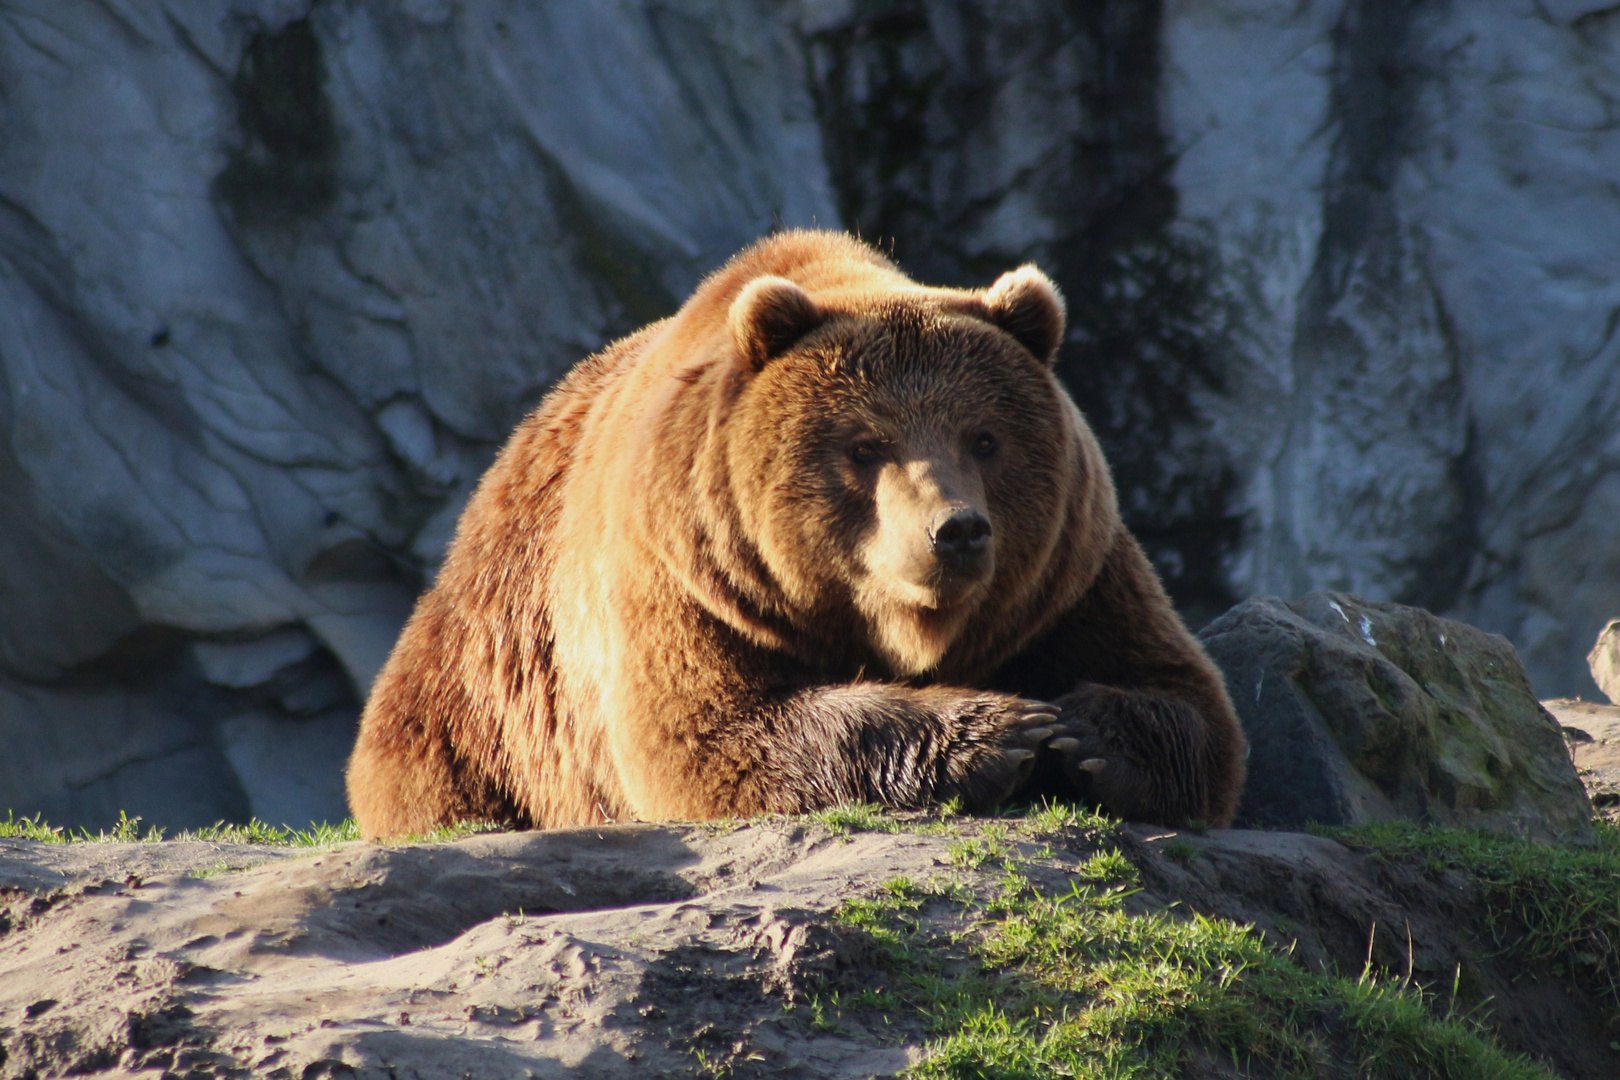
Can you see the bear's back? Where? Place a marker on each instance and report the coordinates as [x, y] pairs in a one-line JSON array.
[[472, 668]]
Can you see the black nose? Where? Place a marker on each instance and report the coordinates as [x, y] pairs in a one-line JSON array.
[[960, 533]]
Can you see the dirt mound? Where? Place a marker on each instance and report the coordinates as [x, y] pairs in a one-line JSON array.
[[500, 955], [1339, 909], [640, 950]]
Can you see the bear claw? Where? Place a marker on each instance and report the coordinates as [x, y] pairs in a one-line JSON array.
[[1093, 765]]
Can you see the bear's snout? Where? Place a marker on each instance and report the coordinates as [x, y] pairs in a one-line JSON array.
[[960, 536]]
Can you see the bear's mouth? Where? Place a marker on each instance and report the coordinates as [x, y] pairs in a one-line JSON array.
[[937, 587], [955, 583], [951, 591]]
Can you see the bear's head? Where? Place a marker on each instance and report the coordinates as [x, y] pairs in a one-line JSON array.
[[902, 453]]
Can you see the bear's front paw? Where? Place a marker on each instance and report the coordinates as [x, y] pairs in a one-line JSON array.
[[1003, 738], [1101, 774]]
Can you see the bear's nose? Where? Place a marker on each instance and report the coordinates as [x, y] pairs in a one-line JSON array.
[[960, 533]]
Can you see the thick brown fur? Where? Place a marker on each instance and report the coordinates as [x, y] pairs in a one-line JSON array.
[[823, 536]]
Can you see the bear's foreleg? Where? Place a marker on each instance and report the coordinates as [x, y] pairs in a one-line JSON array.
[[400, 782], [903, 747], [832, 746]]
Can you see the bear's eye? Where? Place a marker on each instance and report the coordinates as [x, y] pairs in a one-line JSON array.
[[864, 453], [984, 444]]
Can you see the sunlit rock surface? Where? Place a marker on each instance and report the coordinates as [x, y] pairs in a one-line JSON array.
[[275, 279], [1604, 661]]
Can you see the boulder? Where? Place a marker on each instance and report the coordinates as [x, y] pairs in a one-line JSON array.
[[1359, 712], [1604, 660]]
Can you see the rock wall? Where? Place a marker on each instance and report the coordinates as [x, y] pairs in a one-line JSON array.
[[1413, 211], [275, 280], [277, 275]]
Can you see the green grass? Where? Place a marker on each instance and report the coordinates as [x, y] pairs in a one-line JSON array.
[[1043, 819], [1555, 903], [318, 835], [856, 817], [972, 852], [16, 828], [127, 830], [1057, 817], [1074, 985]]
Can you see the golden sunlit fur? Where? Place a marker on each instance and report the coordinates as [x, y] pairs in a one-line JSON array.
[[815, 538]]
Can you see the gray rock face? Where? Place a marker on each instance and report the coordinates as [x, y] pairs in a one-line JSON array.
[[1410, 207], [1360, 712], [277, 277], [274, 281]]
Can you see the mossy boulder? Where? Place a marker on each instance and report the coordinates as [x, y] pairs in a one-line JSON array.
[[1359, 712]]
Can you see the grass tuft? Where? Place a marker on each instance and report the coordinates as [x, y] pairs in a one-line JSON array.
[[30, 828], [126, 831], [856, 817], [320, 834], [1049, 816], [1554, 903], [1073, 985], [973, 852]]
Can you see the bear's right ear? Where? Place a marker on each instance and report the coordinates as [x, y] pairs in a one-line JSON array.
[[768, 316]]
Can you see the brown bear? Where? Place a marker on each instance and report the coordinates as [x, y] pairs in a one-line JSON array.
[[823, 536]]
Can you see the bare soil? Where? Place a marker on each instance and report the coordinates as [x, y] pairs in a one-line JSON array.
[[631, 950]]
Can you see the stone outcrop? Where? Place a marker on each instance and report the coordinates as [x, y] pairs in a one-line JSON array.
[[1604, 660], [1360, 712], [1593, 734], [1409, 205], [276, 277]]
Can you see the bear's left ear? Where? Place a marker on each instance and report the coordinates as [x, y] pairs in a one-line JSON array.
[[1026, 304], [768, 316]]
